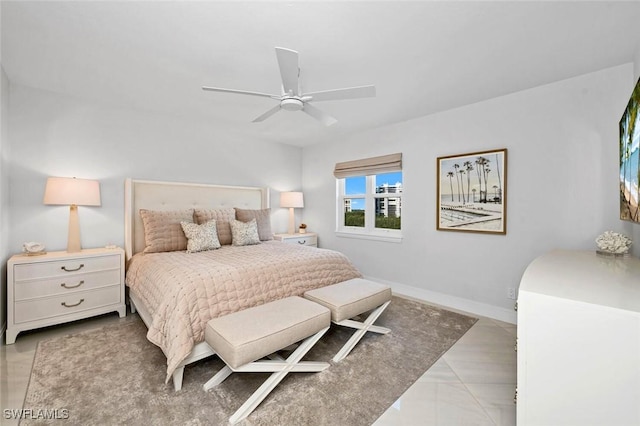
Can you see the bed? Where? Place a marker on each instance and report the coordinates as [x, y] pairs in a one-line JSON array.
[[177, 292]]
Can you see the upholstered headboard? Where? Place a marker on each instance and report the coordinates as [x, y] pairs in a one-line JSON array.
[[152, 195]]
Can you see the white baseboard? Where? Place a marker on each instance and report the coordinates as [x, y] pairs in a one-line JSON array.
[[453, 302]]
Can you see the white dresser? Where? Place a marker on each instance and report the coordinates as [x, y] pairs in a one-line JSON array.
[[579, 341], [306, 239], [58, 287]]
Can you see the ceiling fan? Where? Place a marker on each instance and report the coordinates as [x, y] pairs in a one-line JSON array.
[[292, 99]]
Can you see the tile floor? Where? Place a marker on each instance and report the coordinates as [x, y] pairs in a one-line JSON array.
[[471, 384]]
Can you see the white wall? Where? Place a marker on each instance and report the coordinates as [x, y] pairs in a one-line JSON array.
[[4, 195], [55, 135], [562, 142]]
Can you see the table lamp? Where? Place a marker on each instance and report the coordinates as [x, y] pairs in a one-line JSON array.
[[292, 200], [73, 193]]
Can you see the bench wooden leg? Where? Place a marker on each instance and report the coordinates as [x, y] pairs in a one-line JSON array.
[[218, 378], [279, 367], [361, 329]]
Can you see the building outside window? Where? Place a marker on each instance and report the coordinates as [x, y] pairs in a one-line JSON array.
[[389, 207]]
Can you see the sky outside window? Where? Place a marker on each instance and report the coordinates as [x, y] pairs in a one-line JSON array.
[[358, 185]]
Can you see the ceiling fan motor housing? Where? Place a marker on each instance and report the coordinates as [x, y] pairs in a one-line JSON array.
[[291, 104]]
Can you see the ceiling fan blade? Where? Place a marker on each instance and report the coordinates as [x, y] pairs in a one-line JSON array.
[[347, 93], [267, 114], [327, 120], [241, 92], [289, 70]]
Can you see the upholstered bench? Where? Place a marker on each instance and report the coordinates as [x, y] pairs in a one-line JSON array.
[[349, 299], [242, 338]]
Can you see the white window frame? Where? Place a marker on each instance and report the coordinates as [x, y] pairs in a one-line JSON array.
[[369, 231]]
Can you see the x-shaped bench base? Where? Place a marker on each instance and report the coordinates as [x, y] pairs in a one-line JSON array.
[[280, 368], [362, 328]]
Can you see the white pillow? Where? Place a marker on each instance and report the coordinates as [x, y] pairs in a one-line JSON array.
[[244, 233], [201, 237]]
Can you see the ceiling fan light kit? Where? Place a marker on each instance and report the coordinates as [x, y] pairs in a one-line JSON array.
[[291, 104], [291, 99]]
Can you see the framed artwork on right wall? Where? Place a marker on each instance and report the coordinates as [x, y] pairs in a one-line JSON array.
[[472, 192], [629, 165]]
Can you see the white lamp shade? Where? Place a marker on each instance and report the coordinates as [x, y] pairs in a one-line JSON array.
[[291, 199], [72, 191]]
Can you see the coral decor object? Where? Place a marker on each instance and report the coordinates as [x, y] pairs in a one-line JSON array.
[[613, 242]]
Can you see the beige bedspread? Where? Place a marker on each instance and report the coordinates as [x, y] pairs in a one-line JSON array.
[[182, 292]]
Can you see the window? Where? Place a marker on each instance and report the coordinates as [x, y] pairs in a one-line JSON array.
[[370, 200]]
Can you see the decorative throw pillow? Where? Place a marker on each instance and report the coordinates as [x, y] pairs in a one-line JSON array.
[[162, 229], [222, 217], [263, 220], [244, 233], [201, 237]]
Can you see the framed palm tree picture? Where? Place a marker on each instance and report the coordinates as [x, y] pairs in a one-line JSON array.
[[472, 192], [629, 158]]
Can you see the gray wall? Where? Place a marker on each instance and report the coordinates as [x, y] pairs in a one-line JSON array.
[[4, 195], [55, 135], [562, 140]]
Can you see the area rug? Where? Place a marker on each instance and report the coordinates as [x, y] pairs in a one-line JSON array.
[[114, 375]]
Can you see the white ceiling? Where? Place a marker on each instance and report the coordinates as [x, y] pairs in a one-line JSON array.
[[423, 57]]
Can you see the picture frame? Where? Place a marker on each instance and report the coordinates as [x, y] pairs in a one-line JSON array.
[[629, 160], [471, 192]]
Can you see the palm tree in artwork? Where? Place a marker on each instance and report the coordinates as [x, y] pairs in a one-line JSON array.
[[468, 167], [486, 171], [450, 176], [628, 188], [624, 132], [480, 162], [627, 158], [456, 166], [499, 178], [464, 200]]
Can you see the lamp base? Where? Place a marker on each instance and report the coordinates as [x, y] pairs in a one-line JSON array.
[[292, 221], [73, 240]]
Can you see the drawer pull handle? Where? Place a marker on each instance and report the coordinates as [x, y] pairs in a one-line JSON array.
[[302, 242], [72, 286], [64, 268], [71, 306]]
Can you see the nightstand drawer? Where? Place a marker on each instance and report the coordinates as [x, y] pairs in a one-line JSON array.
[[49, 307], [65, 267], [303, 240], [29, 289]]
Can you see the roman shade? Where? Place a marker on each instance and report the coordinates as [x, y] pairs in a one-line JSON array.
[[369, 166]]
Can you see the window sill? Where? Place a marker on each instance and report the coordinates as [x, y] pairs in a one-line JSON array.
[[375, 237]]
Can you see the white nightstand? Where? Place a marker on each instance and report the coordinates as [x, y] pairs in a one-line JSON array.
[[306, 239], [59, 287]]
